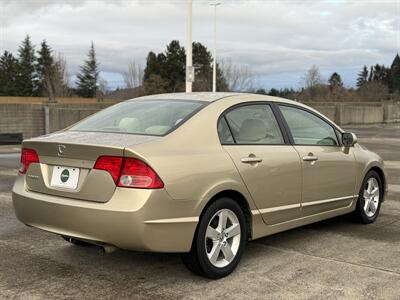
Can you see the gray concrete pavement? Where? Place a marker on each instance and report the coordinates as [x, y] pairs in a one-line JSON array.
[[331, 259], [9, 160]]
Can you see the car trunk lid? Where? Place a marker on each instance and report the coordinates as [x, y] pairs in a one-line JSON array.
[[70, 156]]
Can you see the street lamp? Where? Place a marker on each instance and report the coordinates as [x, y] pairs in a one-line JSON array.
[[189, 67], [215, 4]]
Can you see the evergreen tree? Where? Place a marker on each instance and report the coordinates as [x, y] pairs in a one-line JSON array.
[[8, 75], [27, 77], [273, 92], [283, 93], [287, 93], [395, 74], [381, 74], [45, 63], [377, 73], [202, 60], [152, 66], [335, 81], [371, 74], [175, 66], [155, 79], [166, 72], [261, 91], [162, 70], [362, 78], [88, 76]]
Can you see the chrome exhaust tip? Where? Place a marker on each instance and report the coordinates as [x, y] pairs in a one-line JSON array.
[[107, 249]]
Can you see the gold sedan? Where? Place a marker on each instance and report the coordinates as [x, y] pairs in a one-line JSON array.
[[197, 173]]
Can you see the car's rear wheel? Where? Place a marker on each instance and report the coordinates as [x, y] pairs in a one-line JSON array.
[[369, 198], [219, 241]]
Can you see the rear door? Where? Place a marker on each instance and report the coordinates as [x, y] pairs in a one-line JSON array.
[[269, 166], [329, 170]]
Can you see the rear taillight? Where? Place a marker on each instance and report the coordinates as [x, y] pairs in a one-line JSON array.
[[137, 174], [28, 156], [129, 172], [111, 164]]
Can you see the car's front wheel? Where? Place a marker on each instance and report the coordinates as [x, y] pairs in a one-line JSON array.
[[369, 198], [219, 241]]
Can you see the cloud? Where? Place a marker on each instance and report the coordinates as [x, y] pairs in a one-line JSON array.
[[278, 39]]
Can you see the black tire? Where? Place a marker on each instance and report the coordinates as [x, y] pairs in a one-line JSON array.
[[197, 260], [76, 242], [360, 215]]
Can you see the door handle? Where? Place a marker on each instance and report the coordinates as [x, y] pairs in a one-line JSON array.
[[310, 157], [251, 160]]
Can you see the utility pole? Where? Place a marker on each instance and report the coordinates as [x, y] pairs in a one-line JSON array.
[[189, 66], [215, 4]]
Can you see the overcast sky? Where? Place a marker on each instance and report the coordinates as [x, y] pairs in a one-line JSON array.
[[279, 40]]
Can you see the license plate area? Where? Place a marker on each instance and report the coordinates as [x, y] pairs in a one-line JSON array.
[[65, 177]]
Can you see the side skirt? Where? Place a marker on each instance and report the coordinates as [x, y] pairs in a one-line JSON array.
[[260, 229]]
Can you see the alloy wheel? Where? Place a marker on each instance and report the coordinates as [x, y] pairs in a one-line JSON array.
[[222, 239], [371, 197]]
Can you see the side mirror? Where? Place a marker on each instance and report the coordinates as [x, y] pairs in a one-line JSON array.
[[349, 139]]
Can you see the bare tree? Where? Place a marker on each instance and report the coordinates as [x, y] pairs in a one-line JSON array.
[[238, 77], [102, 89], [56, 78], [134, 76], [311, 78]]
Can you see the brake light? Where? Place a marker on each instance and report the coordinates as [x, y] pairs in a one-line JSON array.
[[129, 172], [137, 174], [28, 156], [111, 164]]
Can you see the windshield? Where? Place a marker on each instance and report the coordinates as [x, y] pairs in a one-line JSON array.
[[148, 117]]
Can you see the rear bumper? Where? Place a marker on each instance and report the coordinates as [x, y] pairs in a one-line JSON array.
[[134, 219]]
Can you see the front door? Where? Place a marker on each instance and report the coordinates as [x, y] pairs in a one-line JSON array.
[[270, 168], [329, 170]]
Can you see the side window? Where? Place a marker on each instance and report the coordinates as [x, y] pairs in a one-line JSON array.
[[224, 133], [308, 129], [254, 124]]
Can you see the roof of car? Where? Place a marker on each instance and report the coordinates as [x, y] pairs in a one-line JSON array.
[[196, 96], [211, 97]]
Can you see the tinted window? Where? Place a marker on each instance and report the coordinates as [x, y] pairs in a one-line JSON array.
[[149, 117], [224, 133], [308, 129], [254, 124]]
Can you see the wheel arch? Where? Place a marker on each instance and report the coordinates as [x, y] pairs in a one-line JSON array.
[[240, 199], [382, 176]]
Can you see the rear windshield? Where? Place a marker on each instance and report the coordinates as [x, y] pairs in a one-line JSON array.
[[148, 117]]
